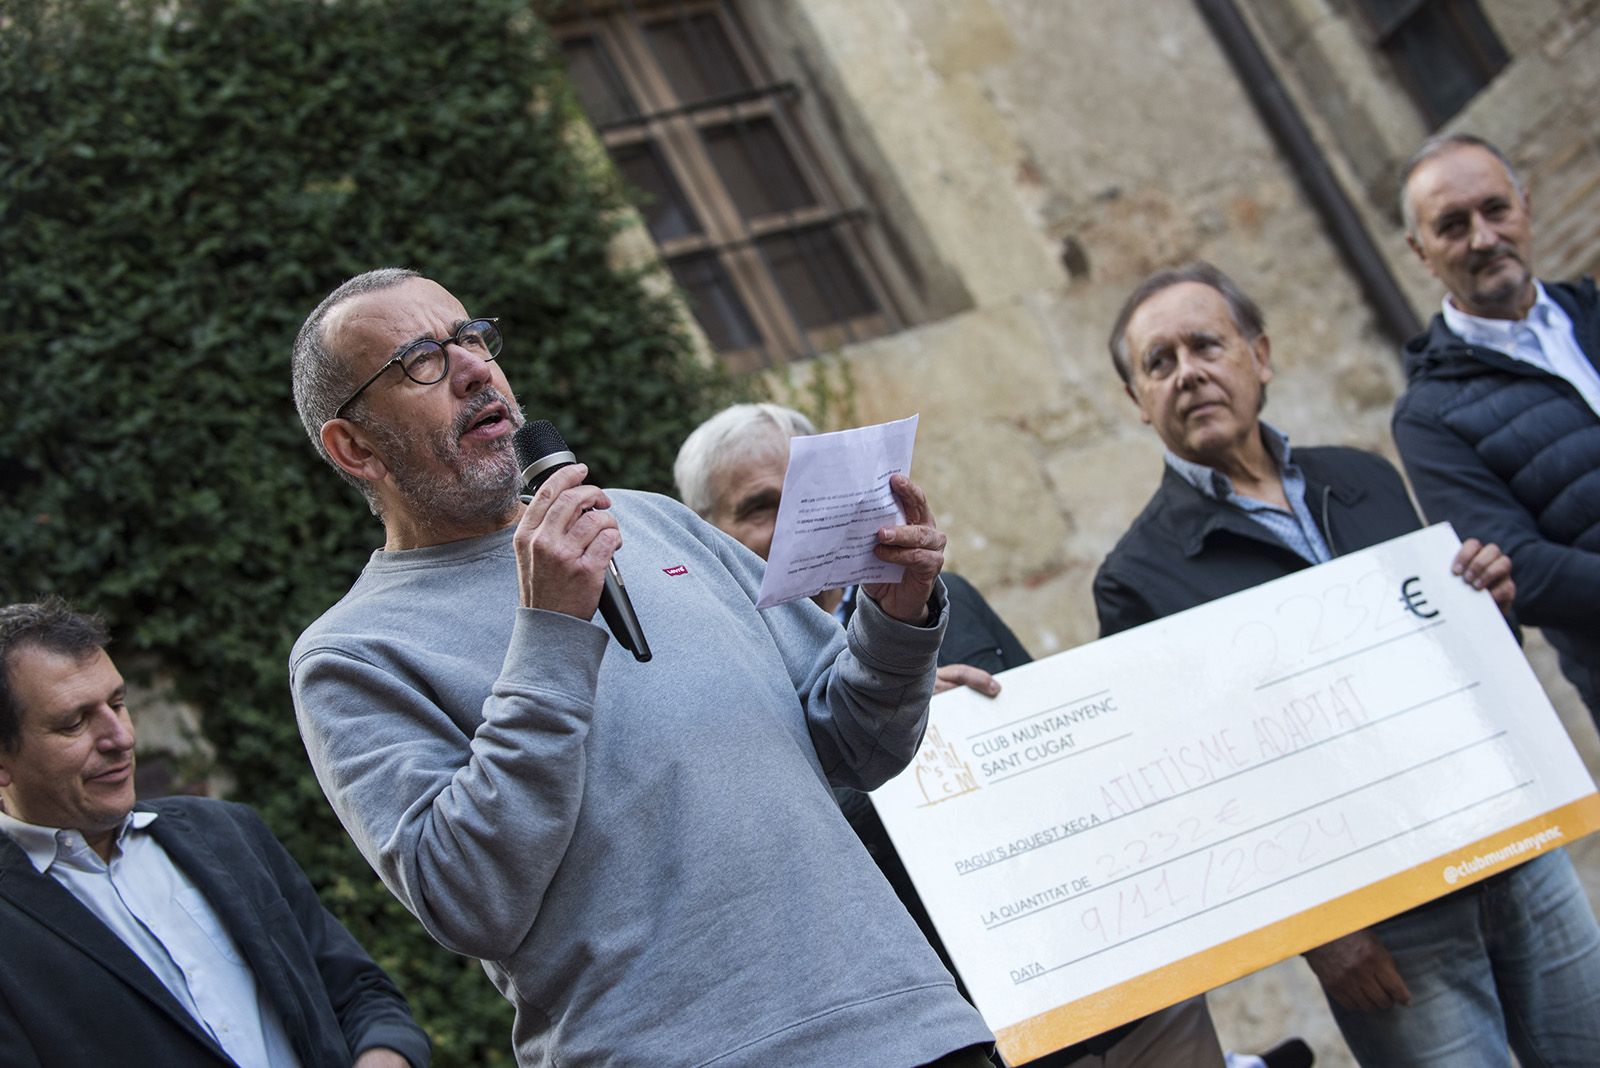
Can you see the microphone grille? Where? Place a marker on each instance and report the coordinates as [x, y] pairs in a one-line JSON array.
[[535, 440]]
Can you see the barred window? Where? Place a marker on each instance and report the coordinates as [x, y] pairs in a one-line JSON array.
[[1444, 51], [750, 224]]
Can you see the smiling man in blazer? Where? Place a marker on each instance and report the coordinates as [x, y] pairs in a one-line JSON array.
[[177, 932]]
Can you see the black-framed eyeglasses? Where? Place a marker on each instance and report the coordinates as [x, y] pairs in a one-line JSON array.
[[428, 361]]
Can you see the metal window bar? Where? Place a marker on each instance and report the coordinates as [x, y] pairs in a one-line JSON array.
[[1468, 38], [825, 285], [597, 32], [1477, 37], [829, 284], [630, 12], [774, 90], [612, 76], [831, 219], [829, 291], [697, 48]]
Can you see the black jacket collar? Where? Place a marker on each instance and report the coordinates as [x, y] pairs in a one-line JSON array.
[[1440, 352], [1190, 517]]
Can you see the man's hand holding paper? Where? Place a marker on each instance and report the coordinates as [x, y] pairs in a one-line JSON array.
[[917, 546], [850, 515]]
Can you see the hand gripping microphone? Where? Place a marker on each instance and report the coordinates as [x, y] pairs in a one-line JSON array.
[[540, 451]]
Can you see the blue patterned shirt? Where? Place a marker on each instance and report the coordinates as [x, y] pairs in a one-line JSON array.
[[1295, 528]]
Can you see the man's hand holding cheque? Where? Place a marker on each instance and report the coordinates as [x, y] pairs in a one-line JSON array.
[[1485, 567], [1138, 820], [1305, 731]]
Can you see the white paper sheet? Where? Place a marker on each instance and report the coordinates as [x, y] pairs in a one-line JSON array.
[[835, 499]]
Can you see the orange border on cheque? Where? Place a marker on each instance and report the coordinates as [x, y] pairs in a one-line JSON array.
[[1208, 969]]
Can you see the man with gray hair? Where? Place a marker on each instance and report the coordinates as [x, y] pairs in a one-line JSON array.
[[730, 471], [1499, 426], [645, 856]]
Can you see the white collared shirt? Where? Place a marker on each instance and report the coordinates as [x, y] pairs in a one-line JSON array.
[[1543, 338], [149, 903]]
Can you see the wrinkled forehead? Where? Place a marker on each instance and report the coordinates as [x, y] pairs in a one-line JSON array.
[[46, 681], [370, 327], [1462, 174], [1170, 314], [756, 464]]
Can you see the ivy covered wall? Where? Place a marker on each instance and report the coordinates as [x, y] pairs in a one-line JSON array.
[[180, 182]]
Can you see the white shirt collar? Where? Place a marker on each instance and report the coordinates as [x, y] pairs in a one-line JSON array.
[[44, 844], [1495, 332]]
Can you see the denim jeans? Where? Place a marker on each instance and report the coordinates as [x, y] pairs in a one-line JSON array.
[[1514, 961]]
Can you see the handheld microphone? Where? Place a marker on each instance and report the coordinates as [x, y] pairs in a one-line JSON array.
[[540, 452]]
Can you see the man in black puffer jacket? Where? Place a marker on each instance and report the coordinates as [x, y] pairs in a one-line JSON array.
[[1499, 427]]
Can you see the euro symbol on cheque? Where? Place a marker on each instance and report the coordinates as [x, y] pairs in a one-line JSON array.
[[1414, 600]]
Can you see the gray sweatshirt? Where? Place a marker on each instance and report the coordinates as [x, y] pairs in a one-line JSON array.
[[646, 857]]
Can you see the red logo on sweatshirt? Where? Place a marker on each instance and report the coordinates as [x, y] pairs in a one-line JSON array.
[[676, 570]]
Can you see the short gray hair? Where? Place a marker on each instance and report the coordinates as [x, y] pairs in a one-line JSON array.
[[1437, 146], [322, 377], [1246, 314], [730, 433]]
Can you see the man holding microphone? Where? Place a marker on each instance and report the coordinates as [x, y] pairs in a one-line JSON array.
[[646, 856]]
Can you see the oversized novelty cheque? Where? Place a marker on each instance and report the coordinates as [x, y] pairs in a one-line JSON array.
[[1157, 813]]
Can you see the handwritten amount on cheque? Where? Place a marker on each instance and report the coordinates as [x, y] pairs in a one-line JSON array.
[[1212, 852]]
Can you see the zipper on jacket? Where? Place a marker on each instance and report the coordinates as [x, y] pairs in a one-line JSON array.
[[1327, 527]]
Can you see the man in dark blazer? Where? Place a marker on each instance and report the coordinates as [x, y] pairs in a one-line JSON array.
[[173, 933]]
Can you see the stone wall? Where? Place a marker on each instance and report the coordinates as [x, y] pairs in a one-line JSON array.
[[173, 755], [1038, 159], [1048, 156], [1543, 110]]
